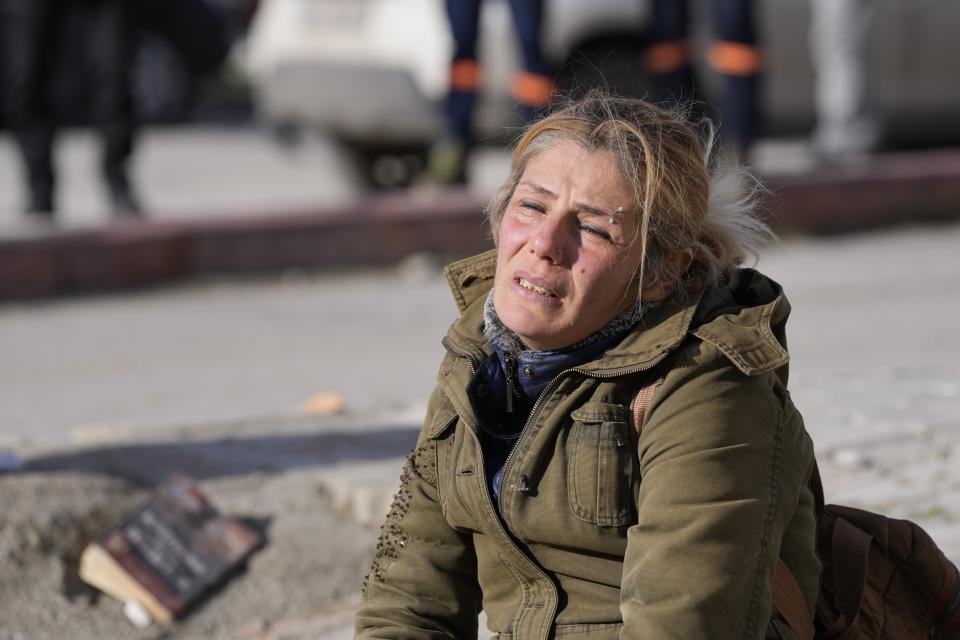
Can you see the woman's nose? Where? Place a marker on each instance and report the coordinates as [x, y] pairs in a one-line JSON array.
[[549, 239]]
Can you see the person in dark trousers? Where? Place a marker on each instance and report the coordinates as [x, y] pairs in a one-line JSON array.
[[532, 88], [734, 53], [32, 31]]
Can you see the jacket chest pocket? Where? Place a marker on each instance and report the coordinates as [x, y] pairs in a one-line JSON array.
[[601, 465]]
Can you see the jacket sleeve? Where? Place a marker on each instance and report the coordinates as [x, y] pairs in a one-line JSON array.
[[422, 583], [722, 464]]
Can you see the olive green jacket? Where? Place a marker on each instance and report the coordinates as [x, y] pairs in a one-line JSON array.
[[601, 533]]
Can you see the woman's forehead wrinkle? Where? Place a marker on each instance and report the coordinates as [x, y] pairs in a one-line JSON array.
[[579, 206], [594, 210], [537, 187]]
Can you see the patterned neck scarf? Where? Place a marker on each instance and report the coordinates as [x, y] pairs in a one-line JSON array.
[[506, 341]]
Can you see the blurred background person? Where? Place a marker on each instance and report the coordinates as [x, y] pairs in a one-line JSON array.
[[734, 53], [847, 126], [181, 45], [532, 88], [33, 32]]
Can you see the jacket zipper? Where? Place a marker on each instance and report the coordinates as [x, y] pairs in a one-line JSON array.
[[501, 527], [483, 478], [511, 363], [951, 607], [549, 389]]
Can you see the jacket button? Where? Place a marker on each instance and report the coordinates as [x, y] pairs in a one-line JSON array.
[[481, 391], [528, 370]]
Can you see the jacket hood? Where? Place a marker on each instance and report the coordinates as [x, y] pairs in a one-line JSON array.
[[744, 318]]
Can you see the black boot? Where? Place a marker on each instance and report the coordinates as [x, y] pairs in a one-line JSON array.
[[124, 201], [41, 200], [40, 179]]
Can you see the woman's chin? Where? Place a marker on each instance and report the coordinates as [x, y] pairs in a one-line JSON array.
[[539, 325], [539, 336]]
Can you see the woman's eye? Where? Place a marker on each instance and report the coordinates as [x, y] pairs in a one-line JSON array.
[[531, 206], [600, 232]]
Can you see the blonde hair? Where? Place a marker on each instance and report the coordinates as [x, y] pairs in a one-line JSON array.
[[687, 195]]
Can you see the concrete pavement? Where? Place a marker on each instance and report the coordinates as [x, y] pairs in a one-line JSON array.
[[187, 173]]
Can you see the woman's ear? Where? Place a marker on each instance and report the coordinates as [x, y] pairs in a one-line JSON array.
[[677, 264]]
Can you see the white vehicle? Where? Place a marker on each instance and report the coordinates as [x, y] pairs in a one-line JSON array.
[[373, 73]]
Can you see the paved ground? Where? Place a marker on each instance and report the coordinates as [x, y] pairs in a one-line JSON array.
[[882, 304], [94, 368], [188, 172]]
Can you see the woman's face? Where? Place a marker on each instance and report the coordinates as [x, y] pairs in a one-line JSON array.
[[568, 253]]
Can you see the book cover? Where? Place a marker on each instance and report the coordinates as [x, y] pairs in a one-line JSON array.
[[169, 552]]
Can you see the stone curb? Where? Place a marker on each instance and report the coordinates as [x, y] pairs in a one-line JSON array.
[[131, 254], [890, 189], [363, 491]]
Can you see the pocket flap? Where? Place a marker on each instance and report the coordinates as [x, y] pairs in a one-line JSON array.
[[601, 412], [442, 419]]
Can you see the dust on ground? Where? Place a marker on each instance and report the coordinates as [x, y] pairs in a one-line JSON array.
[[302, 580]]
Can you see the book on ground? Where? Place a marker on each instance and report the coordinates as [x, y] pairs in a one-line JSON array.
[[169, 552]]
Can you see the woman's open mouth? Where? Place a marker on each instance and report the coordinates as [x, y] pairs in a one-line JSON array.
[[526, 284]]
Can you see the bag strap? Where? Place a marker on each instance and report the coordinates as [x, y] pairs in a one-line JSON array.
[[849, 554], [788, 598]]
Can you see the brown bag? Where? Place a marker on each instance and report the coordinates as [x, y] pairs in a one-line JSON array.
[[883, 579]]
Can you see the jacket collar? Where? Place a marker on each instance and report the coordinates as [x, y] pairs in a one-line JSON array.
[[744, 318]]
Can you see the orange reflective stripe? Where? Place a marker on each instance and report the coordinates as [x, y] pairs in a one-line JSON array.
[[532, 89], [664, 57], [735, 58], [465, 75]]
